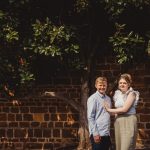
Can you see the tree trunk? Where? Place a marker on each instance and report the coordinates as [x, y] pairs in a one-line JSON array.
[[84, 142]]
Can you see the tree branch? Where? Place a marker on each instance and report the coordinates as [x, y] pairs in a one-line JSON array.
[[74, 104]]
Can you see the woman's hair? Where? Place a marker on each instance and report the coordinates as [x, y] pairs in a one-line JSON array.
[[126, 77]]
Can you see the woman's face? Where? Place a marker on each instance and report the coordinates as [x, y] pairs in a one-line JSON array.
[[123, 85]]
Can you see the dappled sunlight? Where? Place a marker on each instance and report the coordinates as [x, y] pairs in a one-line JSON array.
[[70, 119], [141, 135], [6, 143], [50, 93], [75, 133], [10, 92], [42, 147], [26, 135], [16, 102], [39, 117], [58, 117]]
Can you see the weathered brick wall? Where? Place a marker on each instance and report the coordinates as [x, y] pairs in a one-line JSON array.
[[142, 83], [39, 123], [44, 123]]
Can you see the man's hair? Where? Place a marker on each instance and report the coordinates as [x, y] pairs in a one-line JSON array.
[[100, 79]]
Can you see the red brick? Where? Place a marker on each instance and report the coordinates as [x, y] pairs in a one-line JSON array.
[[46, 117], [52, 109], [66, 133], [10, 133], [48, 146], [58, 124], [11, 117], [147, 125], [47, 133], [27, 117], [18, 117], [44, 125], [34, 146], [3, 117], [13, 124], [58, 117], [5, 109], [56, 133], [2, 133], [144, 118], [30, 133], [3, 124], [14, 109], [24, 124], [37, 133], [39, 109], [19, 133], [24, 109], [51, 125], [35, 124]]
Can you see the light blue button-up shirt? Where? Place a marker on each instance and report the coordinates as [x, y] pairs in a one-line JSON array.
[[98, 117]]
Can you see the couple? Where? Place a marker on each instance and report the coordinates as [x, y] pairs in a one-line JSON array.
[[99, 110]]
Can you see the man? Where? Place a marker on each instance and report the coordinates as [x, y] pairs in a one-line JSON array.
[[98, 117]]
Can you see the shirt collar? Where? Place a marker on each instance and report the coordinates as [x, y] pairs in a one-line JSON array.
[[101, 95]]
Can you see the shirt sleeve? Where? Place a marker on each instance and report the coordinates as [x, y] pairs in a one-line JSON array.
[[91, 113]]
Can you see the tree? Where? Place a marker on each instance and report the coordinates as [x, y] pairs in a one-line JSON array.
[[14, 70], [72, 33]]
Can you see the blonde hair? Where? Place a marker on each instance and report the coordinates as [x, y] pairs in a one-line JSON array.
[[126, 77], [100, 79]]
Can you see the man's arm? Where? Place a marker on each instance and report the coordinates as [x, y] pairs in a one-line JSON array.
[[91, 113]]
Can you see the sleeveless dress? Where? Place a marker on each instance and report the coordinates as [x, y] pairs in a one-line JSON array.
[[126, 123]]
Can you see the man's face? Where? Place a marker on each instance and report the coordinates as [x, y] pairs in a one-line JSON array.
[[101, 87]]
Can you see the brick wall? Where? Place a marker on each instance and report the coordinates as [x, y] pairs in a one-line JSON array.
[[44, 123], [39, 123]]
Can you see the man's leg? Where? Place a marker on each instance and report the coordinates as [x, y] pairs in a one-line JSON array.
[[104, 144]]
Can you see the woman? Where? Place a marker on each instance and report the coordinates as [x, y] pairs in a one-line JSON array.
[[125, 99]]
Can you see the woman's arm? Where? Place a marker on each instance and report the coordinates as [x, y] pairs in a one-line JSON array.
[[128, 103]]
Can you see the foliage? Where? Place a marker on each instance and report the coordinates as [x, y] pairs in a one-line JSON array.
[[127, 45], [8, 28], [71, 32], [81, 5], [116, 8], [49, 39], [13, 71]]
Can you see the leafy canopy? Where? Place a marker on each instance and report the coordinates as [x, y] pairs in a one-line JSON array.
[[68, 32]]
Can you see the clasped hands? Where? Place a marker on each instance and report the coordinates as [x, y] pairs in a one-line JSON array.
[[97, 138]]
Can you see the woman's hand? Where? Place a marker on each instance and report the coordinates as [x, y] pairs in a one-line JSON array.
[[108, 109], [106, 106]]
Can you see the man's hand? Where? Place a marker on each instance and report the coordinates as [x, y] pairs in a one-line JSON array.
[[97, 138]]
